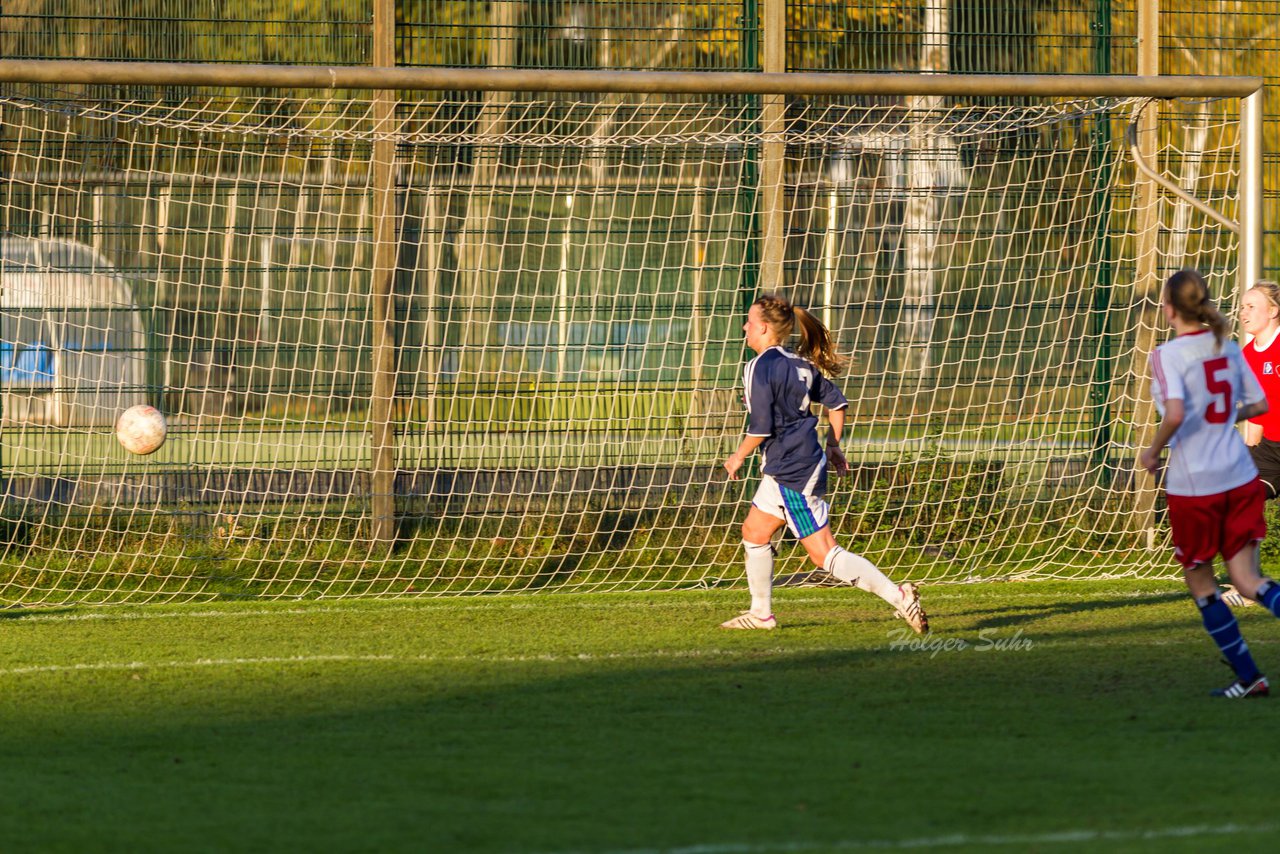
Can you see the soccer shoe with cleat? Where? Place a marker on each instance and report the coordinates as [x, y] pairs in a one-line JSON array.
[[748, 620], [911, 610], [1233, 597], [1240, 690]]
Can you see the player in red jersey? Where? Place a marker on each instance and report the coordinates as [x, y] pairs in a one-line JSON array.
[[1203, 387], [1260, 318]]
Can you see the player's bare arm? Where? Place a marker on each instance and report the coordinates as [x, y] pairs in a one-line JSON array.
[[835, 455], [1252, 433], [746, 448], [1174, 413]]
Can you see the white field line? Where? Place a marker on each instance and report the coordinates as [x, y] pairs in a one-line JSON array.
[[386, 658], [755, 654], [1064, 837], [20, 617]]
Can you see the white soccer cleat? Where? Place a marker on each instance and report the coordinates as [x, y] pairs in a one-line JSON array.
[[1233, 597], [748, 620], [911, 610], [1243, 690]]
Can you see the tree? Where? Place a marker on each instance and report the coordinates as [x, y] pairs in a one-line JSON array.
[[1232, 49], [920, 220]]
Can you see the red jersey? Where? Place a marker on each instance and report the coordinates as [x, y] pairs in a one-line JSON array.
[[1266, 367]]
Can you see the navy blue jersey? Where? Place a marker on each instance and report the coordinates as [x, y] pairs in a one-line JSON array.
[[779, 387]]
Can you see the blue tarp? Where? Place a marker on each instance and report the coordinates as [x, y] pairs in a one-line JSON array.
[[32, 365]]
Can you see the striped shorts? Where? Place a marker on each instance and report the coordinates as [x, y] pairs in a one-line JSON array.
[[804, 514]]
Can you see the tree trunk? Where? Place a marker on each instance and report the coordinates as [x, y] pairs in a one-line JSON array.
[[475, 281], [920, 215]]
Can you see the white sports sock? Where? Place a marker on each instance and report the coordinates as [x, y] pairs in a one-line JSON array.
[[760, 577], [862, 573]]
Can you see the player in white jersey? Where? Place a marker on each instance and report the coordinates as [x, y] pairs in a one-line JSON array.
[[779, 387], [1203, 387], [1210, 378]]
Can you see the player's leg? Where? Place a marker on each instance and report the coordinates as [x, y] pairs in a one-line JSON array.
[[1267, 590], [1222, 626], [855, 569], [1197, 525], [1245, 574], [1266, 456], [1245, 529], [757, 534], [762, 522], [848, 567]]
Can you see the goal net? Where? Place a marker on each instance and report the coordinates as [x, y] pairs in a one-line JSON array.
[[566, 293]]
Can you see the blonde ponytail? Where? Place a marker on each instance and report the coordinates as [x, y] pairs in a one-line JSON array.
[[816, 344], [815, 339]]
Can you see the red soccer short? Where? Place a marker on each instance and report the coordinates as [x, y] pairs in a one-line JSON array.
[[1205, 526]]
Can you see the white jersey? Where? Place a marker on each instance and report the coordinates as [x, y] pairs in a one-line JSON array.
[[1206, 455]]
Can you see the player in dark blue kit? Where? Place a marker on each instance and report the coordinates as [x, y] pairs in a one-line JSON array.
[[780, 387]]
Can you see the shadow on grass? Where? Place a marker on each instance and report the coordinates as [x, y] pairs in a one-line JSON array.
[[826, 749], [1015, 614]]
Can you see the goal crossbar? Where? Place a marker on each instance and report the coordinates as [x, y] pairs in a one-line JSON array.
[[663, 82]]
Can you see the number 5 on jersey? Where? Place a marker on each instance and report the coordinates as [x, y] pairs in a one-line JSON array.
[[1219, 409]]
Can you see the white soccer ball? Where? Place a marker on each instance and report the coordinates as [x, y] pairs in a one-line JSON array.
[[141, 429]]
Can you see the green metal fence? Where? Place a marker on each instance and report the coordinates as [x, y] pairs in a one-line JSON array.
[[254, 31]]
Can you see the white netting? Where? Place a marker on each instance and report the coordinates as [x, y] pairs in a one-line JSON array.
[[571, 277]]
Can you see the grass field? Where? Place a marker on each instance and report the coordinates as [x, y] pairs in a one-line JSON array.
[[1046, 716]]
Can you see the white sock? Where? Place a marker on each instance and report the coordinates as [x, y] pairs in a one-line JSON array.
[[862, 573], [760, 577]]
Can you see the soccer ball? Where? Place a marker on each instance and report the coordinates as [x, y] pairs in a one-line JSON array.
[[141, 429]]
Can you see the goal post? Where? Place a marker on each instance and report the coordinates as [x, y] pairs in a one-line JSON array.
[[436, 342], [1247, 226]]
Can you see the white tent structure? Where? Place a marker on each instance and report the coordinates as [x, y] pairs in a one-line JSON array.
[[72, 348]]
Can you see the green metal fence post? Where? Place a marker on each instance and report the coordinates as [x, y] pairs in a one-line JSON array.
[[749, 281], [382, 411], [772, 198], [1100, 321], [1146, 277]]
